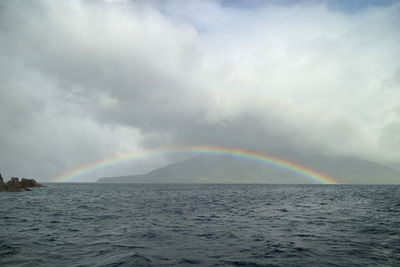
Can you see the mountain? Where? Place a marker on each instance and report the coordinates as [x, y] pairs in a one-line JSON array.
[[206, 168]]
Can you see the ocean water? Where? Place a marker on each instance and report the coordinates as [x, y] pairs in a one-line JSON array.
[[207, 225]]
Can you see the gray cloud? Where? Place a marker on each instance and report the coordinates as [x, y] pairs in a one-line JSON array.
[[83, 80]]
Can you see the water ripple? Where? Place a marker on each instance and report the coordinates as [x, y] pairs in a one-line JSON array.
[[184, 225]]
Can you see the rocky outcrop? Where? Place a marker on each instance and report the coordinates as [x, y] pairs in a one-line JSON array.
[[29, 183], [2, 185], [14, 184]]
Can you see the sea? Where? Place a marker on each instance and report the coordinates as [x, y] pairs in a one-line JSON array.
[[67, 224]]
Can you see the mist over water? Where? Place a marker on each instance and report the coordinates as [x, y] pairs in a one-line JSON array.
[[207, 224]]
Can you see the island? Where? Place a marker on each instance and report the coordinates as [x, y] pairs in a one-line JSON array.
[[16, 185]]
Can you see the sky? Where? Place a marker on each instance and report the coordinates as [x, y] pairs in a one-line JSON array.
[[81, 81]]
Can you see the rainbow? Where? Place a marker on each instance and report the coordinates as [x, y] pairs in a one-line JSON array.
[[304, 171]]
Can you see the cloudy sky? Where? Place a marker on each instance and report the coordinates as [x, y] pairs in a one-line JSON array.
[[84, 80]]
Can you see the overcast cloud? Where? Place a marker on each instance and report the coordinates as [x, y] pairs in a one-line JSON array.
[[83, 80]]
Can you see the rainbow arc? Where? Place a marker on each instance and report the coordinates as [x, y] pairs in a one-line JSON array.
[[310, 174]]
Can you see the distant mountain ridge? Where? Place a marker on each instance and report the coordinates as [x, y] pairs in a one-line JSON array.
[[206, 168]]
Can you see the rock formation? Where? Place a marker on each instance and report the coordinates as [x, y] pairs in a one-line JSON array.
[[2, 185], [29, 183], [15, 185]]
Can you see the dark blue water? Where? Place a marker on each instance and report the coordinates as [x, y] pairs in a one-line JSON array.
[[226, 225]]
